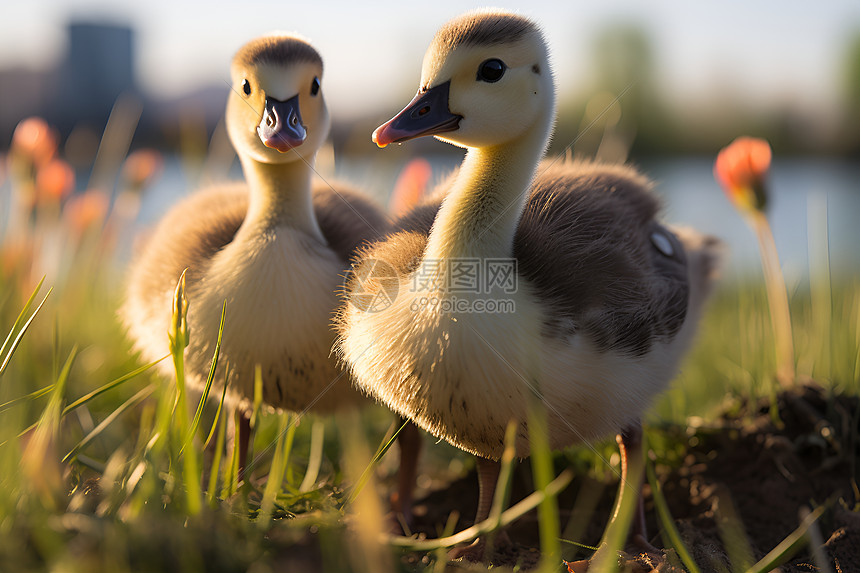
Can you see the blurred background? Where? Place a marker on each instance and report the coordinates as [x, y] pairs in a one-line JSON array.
[[664, 85], [110, 112]]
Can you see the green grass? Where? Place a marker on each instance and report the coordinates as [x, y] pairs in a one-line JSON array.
[[110, 418], [733, 356], [102, 465]]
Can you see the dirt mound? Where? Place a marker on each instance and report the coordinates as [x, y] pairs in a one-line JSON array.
[[760, 472], [741, 488]]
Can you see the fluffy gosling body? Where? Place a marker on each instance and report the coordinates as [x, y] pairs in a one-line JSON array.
[[606, 298], [274, 247]]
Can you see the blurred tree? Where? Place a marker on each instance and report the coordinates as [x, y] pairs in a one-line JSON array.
[[623, 56], [851, 87], [622, 112]]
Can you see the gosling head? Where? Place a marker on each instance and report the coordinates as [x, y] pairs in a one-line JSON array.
[[485, 81], [276, 112]]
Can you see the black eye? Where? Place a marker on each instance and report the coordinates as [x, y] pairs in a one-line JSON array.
[[315, 86], [491, 71], [662, 243], [246, 87]]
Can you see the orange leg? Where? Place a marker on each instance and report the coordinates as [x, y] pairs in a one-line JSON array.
[[632, 475], [632, 456], [488, 477], [244, 438], [409, 440]]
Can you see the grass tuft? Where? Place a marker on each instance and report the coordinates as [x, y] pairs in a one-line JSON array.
[[113, 479]]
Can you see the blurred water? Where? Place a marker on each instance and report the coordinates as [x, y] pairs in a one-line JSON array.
[[797, 187], [690, 197]]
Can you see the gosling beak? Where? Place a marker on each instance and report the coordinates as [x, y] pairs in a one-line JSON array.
[[281, 126], [426, 114]]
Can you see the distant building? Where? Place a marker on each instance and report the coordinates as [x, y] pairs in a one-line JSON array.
[[98, 67]]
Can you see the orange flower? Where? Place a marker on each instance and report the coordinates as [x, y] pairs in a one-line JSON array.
[[141, 167], [741, 168], [86, 210], [35, 140], [54, 181], [410, 186]]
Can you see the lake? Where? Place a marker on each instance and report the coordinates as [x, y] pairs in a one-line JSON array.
[[809, 199]]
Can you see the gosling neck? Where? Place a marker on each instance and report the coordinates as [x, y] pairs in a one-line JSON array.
[[479, 216], [281, 196]]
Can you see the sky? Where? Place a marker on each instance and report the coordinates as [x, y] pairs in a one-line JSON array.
[[762, 51]]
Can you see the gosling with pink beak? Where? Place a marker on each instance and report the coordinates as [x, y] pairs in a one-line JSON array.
[[274, 248], [605, 299]]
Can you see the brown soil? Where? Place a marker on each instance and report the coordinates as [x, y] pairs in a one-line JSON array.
[[744, 477]]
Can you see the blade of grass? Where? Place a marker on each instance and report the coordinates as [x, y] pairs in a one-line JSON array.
[[441, 554], [142, 484], [145, 424], [286, 433], [231, 470], [541, 459], [21, 332], [510, 515], [211, 494], [179, 337], [56, 347], [816, 542], [788, 546], [90, 463], [582, 513], [111, 418], [821, 289], [21, 315], [580, 545], [730, 527], [58, 387], [502, 495], [220, 407], [26, 397], [365, 512], [39, 465], [80, 401], [195, 423], [365, 475], [110, 386], [315, 456], [288, 444], [160, 430], [667, 522]]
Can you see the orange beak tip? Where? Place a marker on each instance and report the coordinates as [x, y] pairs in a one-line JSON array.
[[375, 138]]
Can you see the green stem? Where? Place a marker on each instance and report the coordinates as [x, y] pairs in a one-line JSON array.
[[667, 522], [510, 515], [777, 297], [541, 458]]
